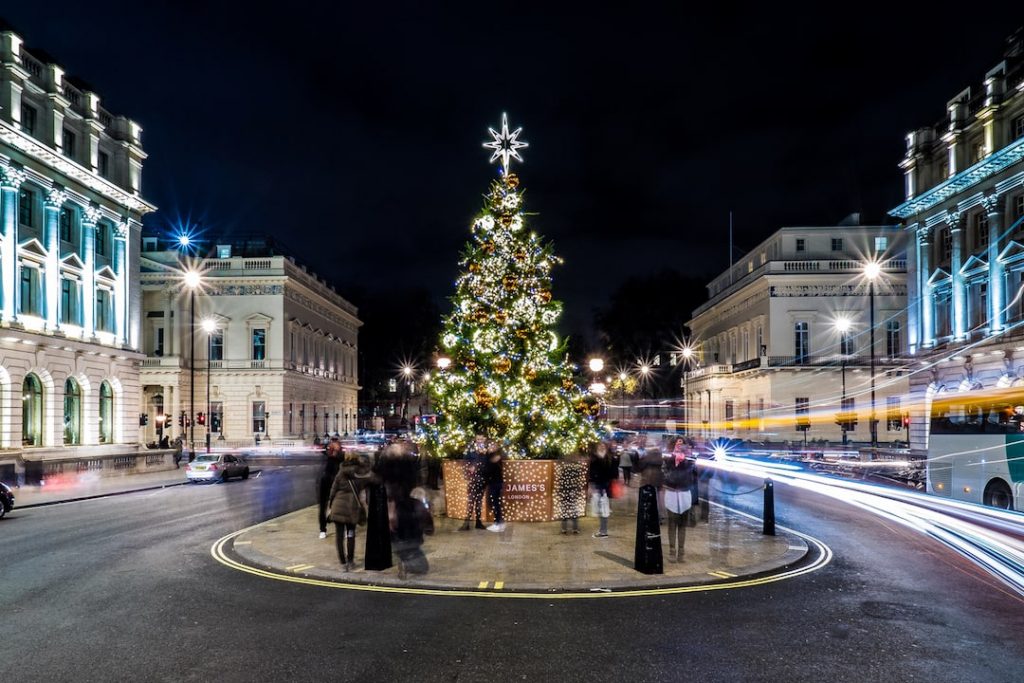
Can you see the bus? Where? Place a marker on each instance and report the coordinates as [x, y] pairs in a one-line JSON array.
[[976, 447]]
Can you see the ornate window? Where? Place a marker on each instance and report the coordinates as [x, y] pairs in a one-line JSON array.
[[980, 229], [893, 343], [217, 345], [30, 295], [32, 411], [103, 312], [837, 244], [801, 342], [107, 411], [72, 413], [67, 223], [259, 417], [259, 344], [27, 211]]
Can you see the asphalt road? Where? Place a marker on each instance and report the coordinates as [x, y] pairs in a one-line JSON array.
[[124, 588]]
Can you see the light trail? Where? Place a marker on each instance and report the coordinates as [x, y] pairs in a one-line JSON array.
[[993, 539]]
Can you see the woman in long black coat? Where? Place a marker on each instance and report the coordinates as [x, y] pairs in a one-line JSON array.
[[378, 530]]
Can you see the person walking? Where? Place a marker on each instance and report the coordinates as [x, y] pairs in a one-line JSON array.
[[601, 472], [651, 473], [178, 447], [679, 480], [494, 478], [475, 458], [347, 509], [328, 472], [626, 458], [378, 524]]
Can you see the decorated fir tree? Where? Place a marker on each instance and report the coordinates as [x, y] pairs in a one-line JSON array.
[[508, 376]]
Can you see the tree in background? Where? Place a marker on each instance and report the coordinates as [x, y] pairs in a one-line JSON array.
[[509, 378]]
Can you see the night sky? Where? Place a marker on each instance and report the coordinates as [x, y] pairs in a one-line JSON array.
[[353, 131]]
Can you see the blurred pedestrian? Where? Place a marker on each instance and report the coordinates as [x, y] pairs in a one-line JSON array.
[[412, 521], [679, 480], [601, 472], [475, 458], [331, 461], [347, 507], [566, 491], [651, 473], [378, 525], [178, 447], [494, 479]]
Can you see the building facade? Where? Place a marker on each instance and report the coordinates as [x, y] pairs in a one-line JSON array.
[[70, 219], [964, 210], [278, 356], [788, 326]]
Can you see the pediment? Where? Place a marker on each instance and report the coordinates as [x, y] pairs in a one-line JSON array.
[[258, 318], [32, 246], [73, 261], [974, 263], [1012, 251], [106, 272], [938, 276]]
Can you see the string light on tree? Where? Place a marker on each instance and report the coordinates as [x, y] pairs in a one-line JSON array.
[[507, 375]]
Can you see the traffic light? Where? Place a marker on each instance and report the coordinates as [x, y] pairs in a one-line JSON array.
[[214, 422], [906, 420], [201, 419]]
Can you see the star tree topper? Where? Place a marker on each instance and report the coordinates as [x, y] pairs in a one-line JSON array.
[[506, 145]]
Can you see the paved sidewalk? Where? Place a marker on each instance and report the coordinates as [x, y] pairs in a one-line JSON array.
[[86, 485], [530, 556]]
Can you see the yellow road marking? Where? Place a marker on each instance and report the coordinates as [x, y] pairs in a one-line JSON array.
[[498, 585], [731, 576], [299, 567], [720, 575], [824, 558], [483, 584]]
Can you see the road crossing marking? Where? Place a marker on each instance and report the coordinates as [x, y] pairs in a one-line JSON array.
[[498, 585], [299, 567], [483, 584]]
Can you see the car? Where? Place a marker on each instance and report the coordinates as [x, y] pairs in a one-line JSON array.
[[217, 467], [6, 499]]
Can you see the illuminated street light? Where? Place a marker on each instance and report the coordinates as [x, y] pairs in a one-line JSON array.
[[596, 365], [443, 363], [842, 325], [193, 281], [597, 388], [872, 271], [209, 326]]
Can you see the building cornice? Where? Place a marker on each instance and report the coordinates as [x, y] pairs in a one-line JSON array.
[[966, 179], [72, 170]]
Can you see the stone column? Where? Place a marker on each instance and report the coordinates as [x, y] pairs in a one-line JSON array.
[[55, 198], [121, 286], [996, 281], [10, 180], [959, 289], [89, 218], [927, 297]]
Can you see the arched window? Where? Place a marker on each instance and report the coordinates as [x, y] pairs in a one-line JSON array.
[[32, 411], [72, 413], [106, 413]]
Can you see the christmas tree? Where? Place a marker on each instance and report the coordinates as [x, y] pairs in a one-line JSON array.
[[504, 372]]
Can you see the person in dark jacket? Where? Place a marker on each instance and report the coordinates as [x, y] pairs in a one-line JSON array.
[[679, 480], [475, 458], [494, 478], [651, 472], [378, 526], [600, 473], [332, 458], [346, 504]]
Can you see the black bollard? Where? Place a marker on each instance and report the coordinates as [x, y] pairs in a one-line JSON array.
[[769, 508], [647, 555]]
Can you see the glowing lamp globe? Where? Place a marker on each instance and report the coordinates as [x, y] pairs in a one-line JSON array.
[[192, 279], [872, 270], [596, 365]]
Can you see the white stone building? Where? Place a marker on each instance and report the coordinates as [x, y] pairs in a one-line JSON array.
[[282, 362], [769, 351], [964, 212], [70, 212]]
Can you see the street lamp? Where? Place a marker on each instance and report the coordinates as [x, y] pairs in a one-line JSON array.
[[872, 271], [443, 363], [210, 326], [687, 354], [596, 365], [843, 327], [193, 280]]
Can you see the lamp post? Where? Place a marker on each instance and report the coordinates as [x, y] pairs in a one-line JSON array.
[[210, 326], [687, 354], [872, 270], [843, 327], [407, 374], [192, 281]]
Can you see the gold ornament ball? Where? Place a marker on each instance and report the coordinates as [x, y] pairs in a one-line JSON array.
[[502, 365], [567, 384], [488, 247], [508, 282], [471, 365], [544, 295], [481, 316], [512, 180], [522, 333], [483, 397], [474, 268], [500, 317], [506, 221], [519, 254], [530, 374]]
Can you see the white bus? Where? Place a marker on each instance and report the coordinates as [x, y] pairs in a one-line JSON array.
[[976, 447]]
